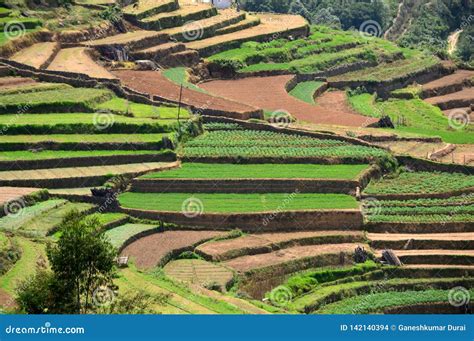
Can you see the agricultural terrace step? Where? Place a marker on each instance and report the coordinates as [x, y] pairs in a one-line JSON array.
[[4, 71], [441, 227], [13, 82], [158, 51], [186, 58], [296, 258], [244, 186], [463, 98], [199, 29], [438, 266], [267, 242], [145, 8], [291, 221], [132, 40], [155, 84], [248, 22], [284, 25], [332, 107], [77, 176], [413, 196], [186, 12], [156, 249], [78, 60], [449, 241], [86, 161], [38, 55], [448, 84], [448, 257], [199, 272], [10, 193]]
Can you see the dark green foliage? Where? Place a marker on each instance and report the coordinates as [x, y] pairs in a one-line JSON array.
[[189, 255]]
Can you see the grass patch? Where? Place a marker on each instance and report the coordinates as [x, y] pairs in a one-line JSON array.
[[81, 138], [413, 116], [259, 171], [139, 110], [305, 91], [377, 302], [61, 154], [237, 203], [179, 76], [119, 235], [420, 183]]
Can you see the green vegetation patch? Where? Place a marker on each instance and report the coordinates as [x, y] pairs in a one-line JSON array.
[[179, 76], [121, 234], [256, 143], [377, 302], [305, 91], [139, 110], [23, 89], [413, 116], [260, 171], [61, 154], [420, 182], [82, 138], [236, 203]]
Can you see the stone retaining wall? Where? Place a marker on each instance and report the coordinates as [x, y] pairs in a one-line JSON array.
[[349, 219]]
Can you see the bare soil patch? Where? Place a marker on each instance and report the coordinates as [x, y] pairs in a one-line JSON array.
[[457, 78], [76, 59], [12, 82], [267, 242], [149, 251], [36, 55], [269, 93], [10, 193], [247, 263], [156, 84], [6, 300]]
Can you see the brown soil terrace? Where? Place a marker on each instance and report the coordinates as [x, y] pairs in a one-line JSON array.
[[220, 248], [10, 193], [247, 263], [270, 93], [13, 82], [455, 78], [148, 251], [155, 83], [36, 55]]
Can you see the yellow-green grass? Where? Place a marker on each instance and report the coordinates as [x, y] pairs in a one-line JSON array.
[[179, 75], [78, 138], [236, 203], [143, 110], [60, 154], [120, 234], [260, 171], [305, 91], [413, 116], [28, 88], [25, 266]]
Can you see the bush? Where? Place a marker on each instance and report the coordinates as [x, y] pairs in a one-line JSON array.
[[189, 255]]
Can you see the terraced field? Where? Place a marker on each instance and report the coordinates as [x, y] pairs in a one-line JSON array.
[[238, 162]]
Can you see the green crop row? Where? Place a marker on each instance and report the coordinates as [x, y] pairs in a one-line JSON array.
[[420, 182], [438, 210]]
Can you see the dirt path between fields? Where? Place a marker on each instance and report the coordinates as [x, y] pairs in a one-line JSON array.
[[269, 93]]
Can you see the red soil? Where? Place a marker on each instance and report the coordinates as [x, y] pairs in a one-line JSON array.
[[148, 251], [269, 93], [152, 82], [218, 249], [247, 263], [458, 77], [11, 82], [6, 301], [466, 96], [10, 193]]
